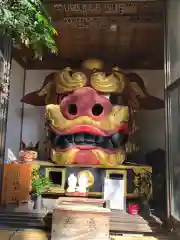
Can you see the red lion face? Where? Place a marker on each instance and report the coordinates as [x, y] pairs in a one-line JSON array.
[[87, 113]]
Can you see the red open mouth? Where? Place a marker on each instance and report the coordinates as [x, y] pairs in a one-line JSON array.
[[90, 129], [88, 137], [86, 147]]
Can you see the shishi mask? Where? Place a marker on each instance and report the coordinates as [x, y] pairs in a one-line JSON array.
[[87, 113]]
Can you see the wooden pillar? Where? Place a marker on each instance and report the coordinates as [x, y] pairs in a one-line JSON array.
[[5, 66]]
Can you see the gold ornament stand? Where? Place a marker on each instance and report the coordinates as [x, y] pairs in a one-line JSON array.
[[79, 221]]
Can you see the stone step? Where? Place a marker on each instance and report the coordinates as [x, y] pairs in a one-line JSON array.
[[122, 221], [128, 227], [21, 220], [119, 222]]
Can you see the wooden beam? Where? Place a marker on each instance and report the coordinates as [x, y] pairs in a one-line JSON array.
[[106, 1], [134, 62]]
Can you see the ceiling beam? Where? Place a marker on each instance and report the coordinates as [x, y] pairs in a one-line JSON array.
[[134, 63], [108, 1]]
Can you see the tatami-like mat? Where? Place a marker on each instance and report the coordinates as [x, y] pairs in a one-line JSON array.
[[23, 235], [6, 234], [41, 235]]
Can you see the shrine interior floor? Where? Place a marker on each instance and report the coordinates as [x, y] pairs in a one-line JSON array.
[[14, 216], [23, 234]]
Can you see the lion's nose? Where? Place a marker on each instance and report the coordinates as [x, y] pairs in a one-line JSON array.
[[72, 109], [85, 102], [97, 109]]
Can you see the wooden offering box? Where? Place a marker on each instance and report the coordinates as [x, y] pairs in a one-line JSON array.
[[72, 221]]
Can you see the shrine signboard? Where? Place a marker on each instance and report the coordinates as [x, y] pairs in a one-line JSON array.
[[16, 183], [98, 8], [99, 13]]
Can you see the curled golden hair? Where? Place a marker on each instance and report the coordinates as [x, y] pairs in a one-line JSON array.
[[67, 81], [108, 84]]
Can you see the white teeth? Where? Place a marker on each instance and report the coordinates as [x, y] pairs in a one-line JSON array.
[[107, 96], [78, 138]]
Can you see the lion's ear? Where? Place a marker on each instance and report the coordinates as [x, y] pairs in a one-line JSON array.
[[45, 89], [137, 96], [51, 97], [137, 90], [47, 85], [130, 97], [49, 92]]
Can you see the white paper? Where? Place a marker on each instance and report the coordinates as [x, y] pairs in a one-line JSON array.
[[114, 192], [11, 156]]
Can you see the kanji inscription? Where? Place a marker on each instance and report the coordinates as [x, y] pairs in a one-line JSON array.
[[16, 183]]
